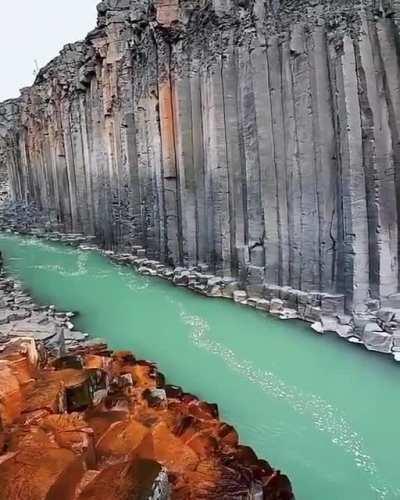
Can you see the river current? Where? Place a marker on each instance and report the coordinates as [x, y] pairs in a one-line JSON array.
[[323, 411]]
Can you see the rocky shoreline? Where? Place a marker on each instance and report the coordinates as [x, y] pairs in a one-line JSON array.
[[378, 329], [80, 422]]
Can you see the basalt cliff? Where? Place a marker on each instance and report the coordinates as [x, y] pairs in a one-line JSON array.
[[258, 141]]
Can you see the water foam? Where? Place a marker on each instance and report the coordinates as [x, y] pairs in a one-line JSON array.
[[322, 414]]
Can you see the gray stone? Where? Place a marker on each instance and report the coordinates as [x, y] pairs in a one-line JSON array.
[[239, 296], [317, 327], [311, 313], [252, 301], [263, 305], [377, 341], [371, 327], [230, 288], [345, 331], [276, 306], [74, 335], [288, 313], [332, 304], [5, 316], [386, 314], [392, 301]]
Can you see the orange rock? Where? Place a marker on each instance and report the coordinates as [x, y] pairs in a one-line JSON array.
[[122, 438], [29, 474], [24, 347], [131, 480], [161, 445], [204, 444], [101, 362], [67, 483], [144, 376], [77, 388], [46, 394], [72, 432], [100, 420], [2, 437], [117, 434], [10, 394]]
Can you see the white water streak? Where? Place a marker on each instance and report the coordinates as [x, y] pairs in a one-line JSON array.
[[323, 415]]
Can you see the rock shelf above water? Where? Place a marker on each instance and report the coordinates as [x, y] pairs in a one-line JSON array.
[[79, 422]]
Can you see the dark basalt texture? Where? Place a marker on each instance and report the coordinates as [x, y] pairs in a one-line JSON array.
[[257, 140]]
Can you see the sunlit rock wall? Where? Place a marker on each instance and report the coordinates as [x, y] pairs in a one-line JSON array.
[[259, 138]]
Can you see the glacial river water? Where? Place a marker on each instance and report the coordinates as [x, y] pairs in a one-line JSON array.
[[325, 412]]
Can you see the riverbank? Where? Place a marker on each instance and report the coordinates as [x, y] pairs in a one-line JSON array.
[[89, 419], [377, 328]]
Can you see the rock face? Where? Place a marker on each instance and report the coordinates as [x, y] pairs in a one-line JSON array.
[[258, 140]]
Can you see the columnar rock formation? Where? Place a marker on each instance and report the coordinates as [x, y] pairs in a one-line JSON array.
[[258, 138]]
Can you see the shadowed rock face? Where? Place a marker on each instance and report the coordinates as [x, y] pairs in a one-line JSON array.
[[92, 425], [260, 139]]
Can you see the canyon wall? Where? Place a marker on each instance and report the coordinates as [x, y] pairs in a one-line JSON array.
[[256, 139]]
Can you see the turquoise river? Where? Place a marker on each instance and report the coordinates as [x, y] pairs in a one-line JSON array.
[[324, 411]]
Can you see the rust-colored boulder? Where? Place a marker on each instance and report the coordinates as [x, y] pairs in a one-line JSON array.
[[10, 394], [163, 446], [93, 425], [121, 439], [31, 472], [131, 480]]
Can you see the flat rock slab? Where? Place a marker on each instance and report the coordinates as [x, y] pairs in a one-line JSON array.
[[378, 341]]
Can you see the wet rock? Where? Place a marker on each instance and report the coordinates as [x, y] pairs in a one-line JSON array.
[[263, 305], [317, 327], [230, 288], [240, 296], [287, 313], [345, 331], [354, 340], [74, 335], [252, 301], [276, 306], [376, 339]]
